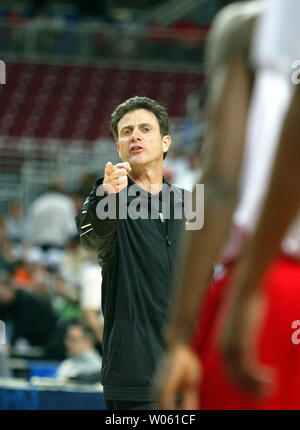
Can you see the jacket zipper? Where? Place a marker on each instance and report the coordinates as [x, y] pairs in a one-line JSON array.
[[161, 217]]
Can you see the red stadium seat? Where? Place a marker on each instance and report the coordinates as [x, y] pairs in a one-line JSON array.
[[71, 102]]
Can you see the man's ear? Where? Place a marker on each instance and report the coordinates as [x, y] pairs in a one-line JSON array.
[[118, 147], [166, 141]]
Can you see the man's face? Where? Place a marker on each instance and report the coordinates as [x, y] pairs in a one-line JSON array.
[[139, 138], [75, 342]]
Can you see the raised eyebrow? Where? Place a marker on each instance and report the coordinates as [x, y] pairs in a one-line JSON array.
[[145, 124], [130, 127], [126, 127]]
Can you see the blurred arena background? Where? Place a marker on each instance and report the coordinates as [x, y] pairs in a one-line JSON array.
[[68, 65]]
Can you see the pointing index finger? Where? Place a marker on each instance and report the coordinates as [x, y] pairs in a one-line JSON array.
[[124, 165], [109, 168]]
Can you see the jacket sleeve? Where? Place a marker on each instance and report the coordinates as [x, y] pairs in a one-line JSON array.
[[96, 234]]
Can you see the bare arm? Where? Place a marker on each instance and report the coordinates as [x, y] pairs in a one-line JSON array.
[[229, 95], [225, 138], [280, 208]]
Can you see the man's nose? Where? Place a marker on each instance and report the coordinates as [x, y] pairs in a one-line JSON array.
[[136, 135]]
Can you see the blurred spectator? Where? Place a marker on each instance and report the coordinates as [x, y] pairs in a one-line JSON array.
[[84, 361], [182, 167], [87, 183], [30, 271], [73, 259], [79, 198], [192, 175], [170, 165], [4, 363], [91, 279], [14, 223], [23, 276], [41, 276], [64, 300], [28, 316], [41, 281], [177, 166], [7, 258], [51, 219], [2, 228]]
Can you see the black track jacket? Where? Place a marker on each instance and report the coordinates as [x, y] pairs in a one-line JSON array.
[[138, 258]]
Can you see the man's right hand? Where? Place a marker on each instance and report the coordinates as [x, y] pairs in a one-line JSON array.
[[115, 177], [239, 343]]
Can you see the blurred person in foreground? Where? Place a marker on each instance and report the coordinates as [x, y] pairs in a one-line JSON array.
[[84, 362], [136, 240], [235, 306]]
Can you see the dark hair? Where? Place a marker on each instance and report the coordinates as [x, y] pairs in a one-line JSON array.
[[138, 102], [87, 331], [54, 187], [135, 103]]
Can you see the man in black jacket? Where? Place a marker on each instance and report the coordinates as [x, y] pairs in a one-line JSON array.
[[132, 218]]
